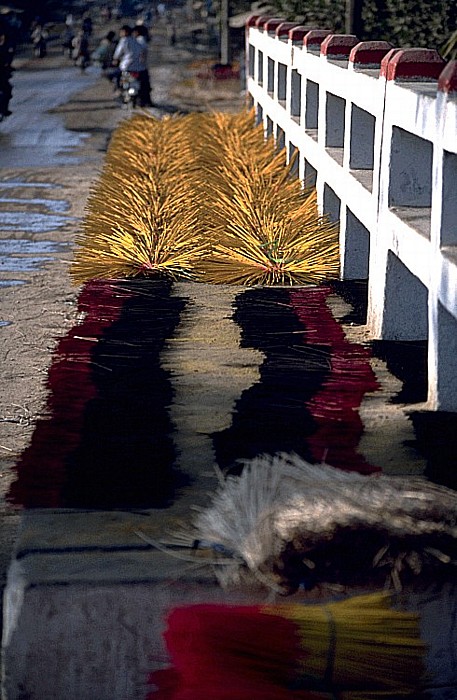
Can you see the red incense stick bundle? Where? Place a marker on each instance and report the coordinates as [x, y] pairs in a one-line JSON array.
[[355, 649]]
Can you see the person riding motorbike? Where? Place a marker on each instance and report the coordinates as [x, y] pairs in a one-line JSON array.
[[129, 56]]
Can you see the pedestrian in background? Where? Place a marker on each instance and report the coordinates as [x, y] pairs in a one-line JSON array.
[[68, 36], [80, 54], [6, 58], [87, 24], [141, 34], [104, 53], [39, 40]]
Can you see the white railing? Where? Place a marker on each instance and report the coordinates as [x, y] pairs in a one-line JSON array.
[[376, 134]]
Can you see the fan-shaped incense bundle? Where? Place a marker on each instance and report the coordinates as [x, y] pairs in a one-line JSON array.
[[265, 227], [354, 649], [142, 215]]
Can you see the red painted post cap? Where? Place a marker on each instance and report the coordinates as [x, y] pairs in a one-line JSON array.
[[260, 21], [315, 37], [297, 33], [412, 64], [447, 81], [272, 24], [284, 28], [338, 45], [386, 60], [369, 53], [251, 21]]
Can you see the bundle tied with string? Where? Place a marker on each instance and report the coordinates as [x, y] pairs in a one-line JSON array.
[[354, 649], [285, 522]]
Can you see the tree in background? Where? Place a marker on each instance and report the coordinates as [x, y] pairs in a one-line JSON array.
[[426, 23]]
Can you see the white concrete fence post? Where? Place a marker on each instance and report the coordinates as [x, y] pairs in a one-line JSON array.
[[398, 303], [376, 134], [442, 362]]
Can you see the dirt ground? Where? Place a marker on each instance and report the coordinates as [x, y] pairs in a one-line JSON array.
[[41, 311]]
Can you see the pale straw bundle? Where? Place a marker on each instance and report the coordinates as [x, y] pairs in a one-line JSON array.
[[285, 522]]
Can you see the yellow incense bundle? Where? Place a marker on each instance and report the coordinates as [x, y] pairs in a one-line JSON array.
[[142, 215], [206, 197], [354, 649]]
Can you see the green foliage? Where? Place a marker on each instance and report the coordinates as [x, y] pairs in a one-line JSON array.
[[328, 14], [426, 23], [404, 23]]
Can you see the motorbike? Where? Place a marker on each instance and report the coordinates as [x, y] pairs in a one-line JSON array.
[[130, 87]]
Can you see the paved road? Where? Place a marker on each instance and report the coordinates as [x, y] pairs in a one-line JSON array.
[[32, 137]]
